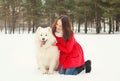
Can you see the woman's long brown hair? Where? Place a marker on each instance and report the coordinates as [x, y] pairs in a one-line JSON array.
[[66, 26]]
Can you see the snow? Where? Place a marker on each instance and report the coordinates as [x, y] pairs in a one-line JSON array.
[[18, 63]]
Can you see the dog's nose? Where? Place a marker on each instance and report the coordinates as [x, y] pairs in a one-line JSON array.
[[43, 39]]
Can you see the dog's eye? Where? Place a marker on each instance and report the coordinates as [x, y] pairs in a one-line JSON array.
[[46, 35]]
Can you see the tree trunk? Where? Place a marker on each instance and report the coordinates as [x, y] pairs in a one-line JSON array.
[[5, 18], [96, 17], [104, 25], [23, 27], [59, 12], [85, 23], [13, 23], [117, 25], [14, 17], [29, 19], [5, 25], [110, 26], [91, 24], [72, 24], [79, 26], [29, 26], [113, 25], [19, 28], [96, 22]]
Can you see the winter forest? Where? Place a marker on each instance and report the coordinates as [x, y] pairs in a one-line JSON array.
[[100, 16], [96, 24]]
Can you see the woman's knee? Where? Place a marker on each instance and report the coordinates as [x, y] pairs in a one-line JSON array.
[[71, 71]]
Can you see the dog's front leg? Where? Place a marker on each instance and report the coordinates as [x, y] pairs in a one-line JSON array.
[[44, 71], [52, 67], [43, 68]]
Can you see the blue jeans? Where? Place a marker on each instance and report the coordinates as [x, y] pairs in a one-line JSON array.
[[68, 71]]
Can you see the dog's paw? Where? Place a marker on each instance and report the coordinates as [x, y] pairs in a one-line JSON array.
[[50, 72], [45, 72]]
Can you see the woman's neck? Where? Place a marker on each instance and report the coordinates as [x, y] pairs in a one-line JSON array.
[[58, 34]]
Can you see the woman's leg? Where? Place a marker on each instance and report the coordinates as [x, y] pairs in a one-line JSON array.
[[62, 71], [80, 69], [71, 71]]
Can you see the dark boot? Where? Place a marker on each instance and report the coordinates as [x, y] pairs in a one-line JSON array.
[[80, 69], [88, 66]]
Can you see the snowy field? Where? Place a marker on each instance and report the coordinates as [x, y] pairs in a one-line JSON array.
[[18, 63]]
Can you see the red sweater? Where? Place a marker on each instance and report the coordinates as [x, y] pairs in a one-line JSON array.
[[71, 53]]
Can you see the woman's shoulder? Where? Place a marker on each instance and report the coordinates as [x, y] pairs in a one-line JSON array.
[[72, 35], [72, 38]]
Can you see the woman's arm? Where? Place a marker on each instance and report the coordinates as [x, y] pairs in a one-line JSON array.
[[68, 47]]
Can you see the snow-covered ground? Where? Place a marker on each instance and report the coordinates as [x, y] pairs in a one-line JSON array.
[[18, 63]]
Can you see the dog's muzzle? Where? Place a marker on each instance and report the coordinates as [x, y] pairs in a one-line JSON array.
[[43, 42]]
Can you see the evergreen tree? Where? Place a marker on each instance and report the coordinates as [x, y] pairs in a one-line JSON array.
[[33, 13], [83, 12]]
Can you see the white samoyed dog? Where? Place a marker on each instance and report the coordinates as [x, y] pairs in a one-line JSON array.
[[47, 54]]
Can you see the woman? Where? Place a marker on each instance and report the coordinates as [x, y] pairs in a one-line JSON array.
[[71, 61]]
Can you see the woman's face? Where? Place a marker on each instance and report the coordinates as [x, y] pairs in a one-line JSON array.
[[59, 26]]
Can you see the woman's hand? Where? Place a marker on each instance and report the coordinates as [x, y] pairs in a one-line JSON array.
[[54, 44]]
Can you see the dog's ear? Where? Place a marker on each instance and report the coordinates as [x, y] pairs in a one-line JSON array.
[[38, 29], [49, 28]]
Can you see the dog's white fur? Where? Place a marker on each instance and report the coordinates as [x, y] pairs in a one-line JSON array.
[[47, 54]]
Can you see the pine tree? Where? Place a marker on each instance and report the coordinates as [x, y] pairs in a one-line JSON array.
[[82, 12]]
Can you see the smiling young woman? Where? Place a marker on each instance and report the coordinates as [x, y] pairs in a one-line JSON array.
[[71, 60]]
